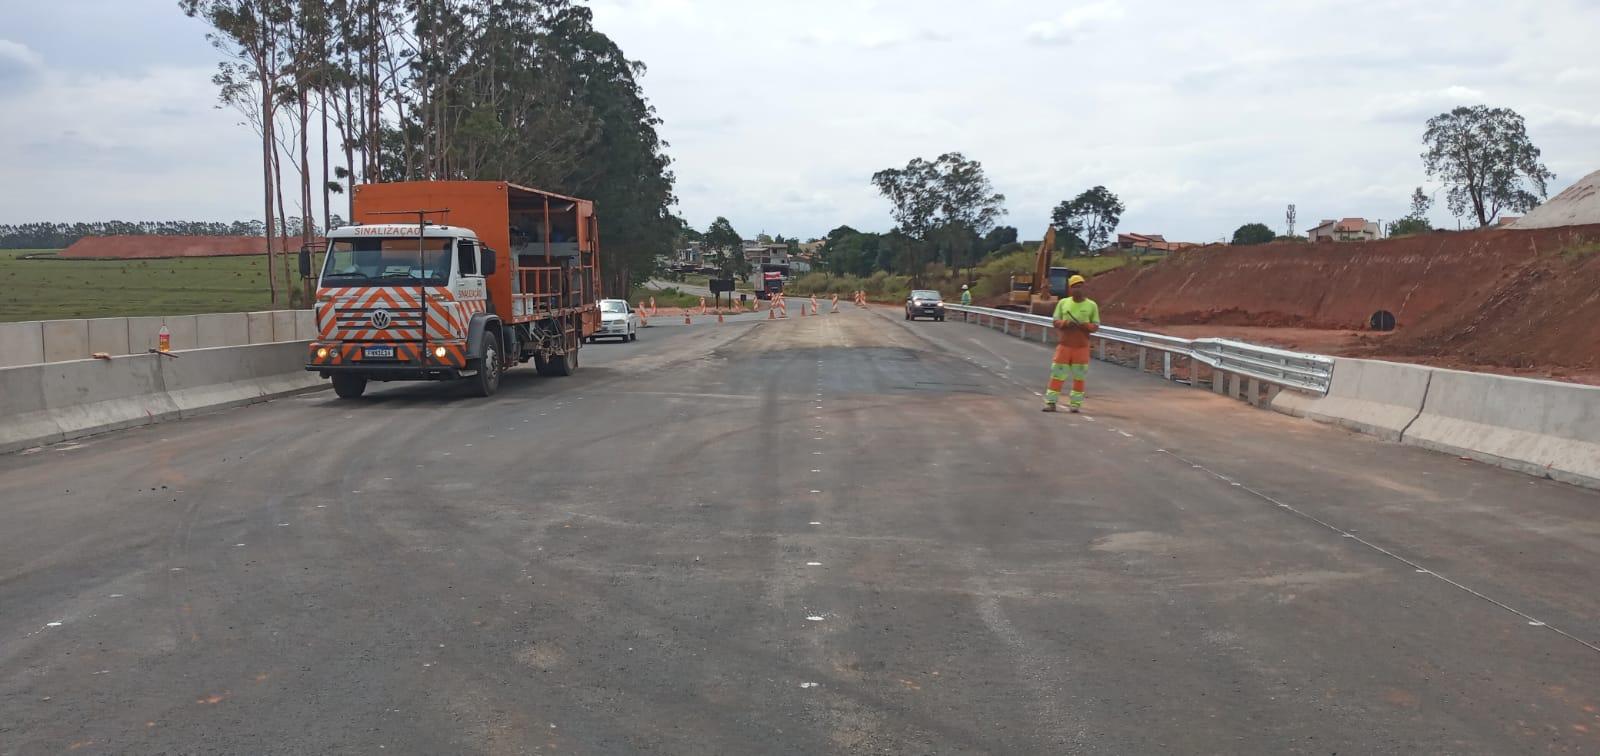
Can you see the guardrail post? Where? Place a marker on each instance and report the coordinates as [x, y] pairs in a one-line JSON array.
[[1252, 392], [1100, 350], [1005, 327], [1219, 381], [1143, 353], [1166, 365]]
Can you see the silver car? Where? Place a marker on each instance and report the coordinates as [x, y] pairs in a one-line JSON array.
[[617, 321]]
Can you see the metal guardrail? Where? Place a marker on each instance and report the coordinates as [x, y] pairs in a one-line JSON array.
[[1297, 370]]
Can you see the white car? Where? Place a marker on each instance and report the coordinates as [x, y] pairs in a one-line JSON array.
[[617, 320]]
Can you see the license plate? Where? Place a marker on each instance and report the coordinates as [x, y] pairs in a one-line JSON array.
[[378, 352]]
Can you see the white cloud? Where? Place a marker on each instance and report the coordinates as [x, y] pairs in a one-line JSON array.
[[1410, 106], [1073, 22], [778, 113], [19, 65]]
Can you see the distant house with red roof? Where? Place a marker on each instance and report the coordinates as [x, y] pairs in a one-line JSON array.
[[1348, 229], [1148, 244]]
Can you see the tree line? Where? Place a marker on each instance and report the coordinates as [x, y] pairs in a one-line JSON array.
[[59, 235], [359, 91]]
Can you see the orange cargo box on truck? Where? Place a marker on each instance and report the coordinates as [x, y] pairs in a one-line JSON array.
[[534, 234]]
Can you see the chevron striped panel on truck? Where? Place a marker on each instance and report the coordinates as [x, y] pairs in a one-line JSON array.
[[347, 313]]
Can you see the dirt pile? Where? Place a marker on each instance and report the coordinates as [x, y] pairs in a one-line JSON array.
[[1579, 204], [145, 247], [1522, 299]]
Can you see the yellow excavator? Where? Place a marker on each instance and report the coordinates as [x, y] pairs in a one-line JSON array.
[[1039, 291]]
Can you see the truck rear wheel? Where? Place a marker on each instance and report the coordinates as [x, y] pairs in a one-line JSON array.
[[563, 364], [349, 386], [487, 381]]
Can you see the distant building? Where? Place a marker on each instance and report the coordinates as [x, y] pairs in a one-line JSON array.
[[1147, 244], [760, 253], [1349, 229], [1506, 220]]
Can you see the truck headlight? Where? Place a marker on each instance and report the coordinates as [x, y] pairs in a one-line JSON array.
[[439, 352], [322, 353]]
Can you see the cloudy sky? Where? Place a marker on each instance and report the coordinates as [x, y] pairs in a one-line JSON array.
[[1200, 115]]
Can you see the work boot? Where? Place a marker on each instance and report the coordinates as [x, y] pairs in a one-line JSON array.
[[1073, 409], [1049, 407]]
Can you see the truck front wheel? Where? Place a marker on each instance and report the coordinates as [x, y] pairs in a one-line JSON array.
[[487, 381], [349, 386]]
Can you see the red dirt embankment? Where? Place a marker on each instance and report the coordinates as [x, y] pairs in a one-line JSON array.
[[1522, 300], [151, 246]]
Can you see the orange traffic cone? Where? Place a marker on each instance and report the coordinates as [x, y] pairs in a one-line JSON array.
[[686, 316], [772, 313], [719, 317]]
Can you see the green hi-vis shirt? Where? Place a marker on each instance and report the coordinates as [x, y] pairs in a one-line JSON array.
[[1086, 312]]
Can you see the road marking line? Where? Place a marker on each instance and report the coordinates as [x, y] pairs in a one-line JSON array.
[[813, 564], [1403, 560]]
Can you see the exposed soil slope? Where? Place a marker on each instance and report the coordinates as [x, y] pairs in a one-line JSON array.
[[1510, 298]]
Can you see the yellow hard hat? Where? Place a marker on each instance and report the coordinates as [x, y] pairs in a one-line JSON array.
[[1075, 280]]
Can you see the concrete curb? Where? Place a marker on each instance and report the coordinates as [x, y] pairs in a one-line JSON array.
[[58, 401]]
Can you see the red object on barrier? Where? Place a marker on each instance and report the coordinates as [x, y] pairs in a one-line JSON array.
[[164, 339]]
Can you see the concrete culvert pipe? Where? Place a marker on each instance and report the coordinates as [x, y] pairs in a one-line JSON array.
[[1382, 320]]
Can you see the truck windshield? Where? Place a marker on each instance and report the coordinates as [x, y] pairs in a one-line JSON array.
[[387, 261]]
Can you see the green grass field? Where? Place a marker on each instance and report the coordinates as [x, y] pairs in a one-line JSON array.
[[54, 288]]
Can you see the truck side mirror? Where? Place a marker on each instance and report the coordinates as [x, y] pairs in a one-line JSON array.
[[305, 262], [486, 265]]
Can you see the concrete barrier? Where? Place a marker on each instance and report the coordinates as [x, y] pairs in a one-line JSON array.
[[109, 336], [259, 327], [1541, 427], [37, 341], [56, 401], [1379, 398], [21, 343], [66, 340], [144, 332], [207, 379], [94, 396], [222, 329], [283, 322], [25, 420]]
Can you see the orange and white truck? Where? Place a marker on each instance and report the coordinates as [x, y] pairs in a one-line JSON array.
[[447, 280]]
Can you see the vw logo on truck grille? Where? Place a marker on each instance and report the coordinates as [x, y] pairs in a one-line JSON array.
[[380, 319]]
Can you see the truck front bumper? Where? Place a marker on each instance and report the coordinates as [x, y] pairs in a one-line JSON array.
[[408, 361]]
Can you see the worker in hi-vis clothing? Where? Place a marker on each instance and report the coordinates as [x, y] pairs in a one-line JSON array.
[[1076, 317], [966, 296]]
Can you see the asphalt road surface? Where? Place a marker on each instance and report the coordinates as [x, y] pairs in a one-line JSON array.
[[844, 534]]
